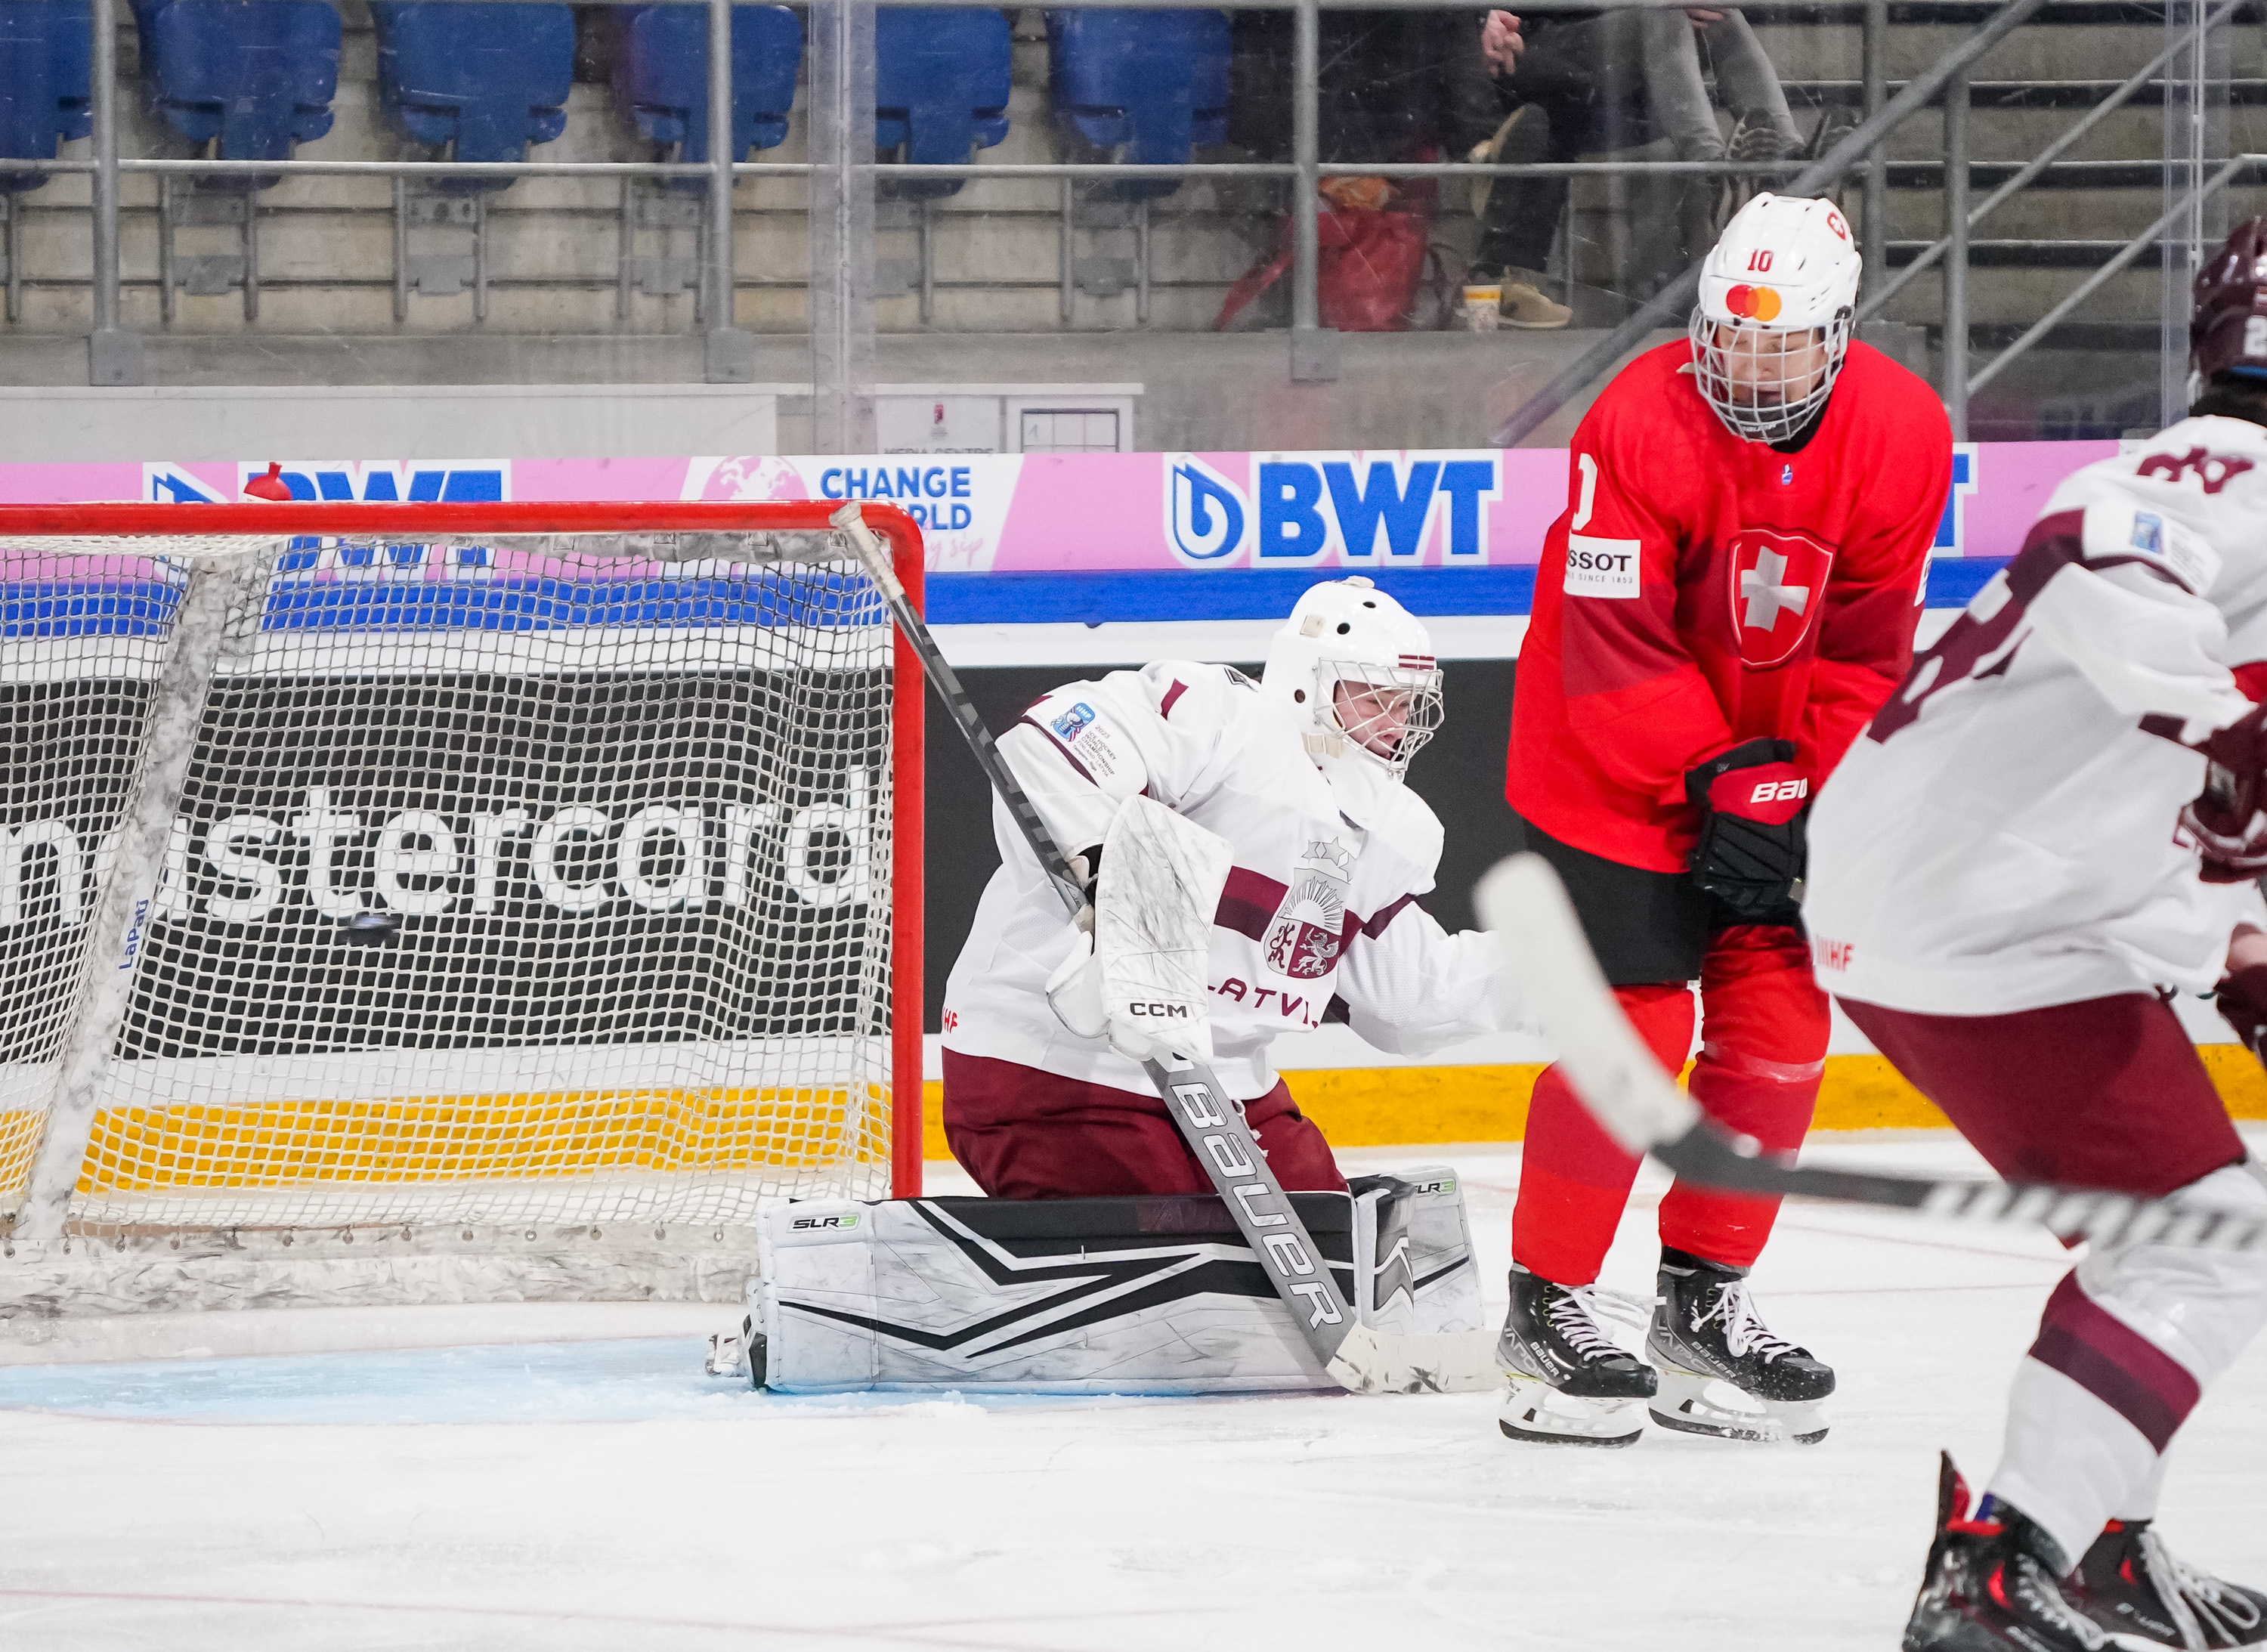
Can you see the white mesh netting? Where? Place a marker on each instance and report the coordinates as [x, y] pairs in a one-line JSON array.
[[629, 801]]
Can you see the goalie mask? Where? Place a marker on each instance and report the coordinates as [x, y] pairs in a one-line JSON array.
[[1356, 670], [1772, 324]]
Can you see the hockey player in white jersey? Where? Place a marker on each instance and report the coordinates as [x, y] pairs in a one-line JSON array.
[[2054, 823], [1302, 773]]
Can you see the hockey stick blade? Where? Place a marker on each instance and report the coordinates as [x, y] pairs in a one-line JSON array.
[[1638, 1105], [1357, 1358]]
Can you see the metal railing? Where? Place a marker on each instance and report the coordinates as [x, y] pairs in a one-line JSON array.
[[843, 175]]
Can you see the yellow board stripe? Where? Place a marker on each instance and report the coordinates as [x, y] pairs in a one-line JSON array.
[[432, 1139], [1396, 1106], [462, 1138]]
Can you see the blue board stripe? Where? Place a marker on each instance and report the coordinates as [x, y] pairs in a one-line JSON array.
[[1268, 593], [129, 608]]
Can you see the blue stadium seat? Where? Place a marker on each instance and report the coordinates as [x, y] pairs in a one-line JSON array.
[[259, 75], [45, 49], [940, 86], [661, 77], [491, 79], [1154, 84]]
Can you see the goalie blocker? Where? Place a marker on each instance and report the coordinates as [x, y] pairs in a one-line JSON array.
[[1154, 1295]]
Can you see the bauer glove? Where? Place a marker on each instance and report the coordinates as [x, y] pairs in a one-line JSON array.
[[1750, 855]]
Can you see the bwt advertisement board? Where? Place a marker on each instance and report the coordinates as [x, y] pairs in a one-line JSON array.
[[1084, 513]]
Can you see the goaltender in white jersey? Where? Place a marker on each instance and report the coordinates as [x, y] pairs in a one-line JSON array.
[[1258, 838], [1301, 773]]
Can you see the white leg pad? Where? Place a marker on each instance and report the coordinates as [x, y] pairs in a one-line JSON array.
[[1103, 1296]]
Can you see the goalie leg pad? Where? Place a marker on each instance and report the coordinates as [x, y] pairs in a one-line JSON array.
[[1150, 1295]]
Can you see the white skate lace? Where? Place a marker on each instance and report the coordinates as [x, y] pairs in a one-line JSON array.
[[1743, 1331], [2046, 1601], [2201, 1605], [1575, 1316]]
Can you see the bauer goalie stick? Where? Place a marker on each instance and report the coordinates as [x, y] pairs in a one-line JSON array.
[[1358, 1358], [1640, 1106]]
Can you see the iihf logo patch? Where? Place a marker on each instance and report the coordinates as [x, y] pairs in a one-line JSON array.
[[1786, 475]]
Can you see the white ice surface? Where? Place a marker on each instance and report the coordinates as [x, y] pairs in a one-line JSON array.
[[604, 1496]]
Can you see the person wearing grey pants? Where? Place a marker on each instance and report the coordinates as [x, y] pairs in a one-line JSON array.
[[1612, 81]]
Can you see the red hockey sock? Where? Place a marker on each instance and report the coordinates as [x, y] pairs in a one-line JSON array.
[[1574, 1179], [1765, 1025]]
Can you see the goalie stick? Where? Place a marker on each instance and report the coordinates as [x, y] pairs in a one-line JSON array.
[[1640, 1106], [1359, 1359]]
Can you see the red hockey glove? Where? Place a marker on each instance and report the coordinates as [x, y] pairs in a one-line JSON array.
[[1753, 801], [2228, 817]]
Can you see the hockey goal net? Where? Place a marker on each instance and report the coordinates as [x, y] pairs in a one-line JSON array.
[[415, 867]]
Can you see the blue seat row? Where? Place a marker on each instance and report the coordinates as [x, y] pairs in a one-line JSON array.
[[488, 81], [259, 75], [46, 49]]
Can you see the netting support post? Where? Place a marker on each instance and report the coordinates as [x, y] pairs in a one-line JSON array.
[[908, 712], [126, 906]]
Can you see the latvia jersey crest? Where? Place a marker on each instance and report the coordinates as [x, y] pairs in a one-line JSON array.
[[1304, 936], [1777, 586]]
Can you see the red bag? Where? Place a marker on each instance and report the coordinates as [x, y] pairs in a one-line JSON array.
[[1366, 267]]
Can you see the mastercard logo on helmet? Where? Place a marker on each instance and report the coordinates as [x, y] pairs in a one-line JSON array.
[[1753, 303]]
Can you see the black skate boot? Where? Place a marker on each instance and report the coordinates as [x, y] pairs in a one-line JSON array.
[[2133, 1588], [1990, 1586], [1571, 1384], [1705, 1329]]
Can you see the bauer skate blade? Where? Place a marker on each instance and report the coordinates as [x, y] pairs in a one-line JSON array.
[[1537, 1412], [1687, 1403]]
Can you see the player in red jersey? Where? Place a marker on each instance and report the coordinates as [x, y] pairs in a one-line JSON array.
[[1730, 595]]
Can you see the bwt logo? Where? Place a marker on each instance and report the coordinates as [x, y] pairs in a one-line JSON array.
[[1331, 507], [347, 481]]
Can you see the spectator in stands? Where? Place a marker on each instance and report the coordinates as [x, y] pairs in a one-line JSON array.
[[1610, 80], [1392, 86]]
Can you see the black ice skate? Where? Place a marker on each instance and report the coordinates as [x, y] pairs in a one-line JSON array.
[[2130, 1585], [1990, 1586], [1705, 1329], [1571, 1384]]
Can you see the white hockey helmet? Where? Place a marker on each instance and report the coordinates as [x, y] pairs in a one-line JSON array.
[[1355, 669], [1772, 324]]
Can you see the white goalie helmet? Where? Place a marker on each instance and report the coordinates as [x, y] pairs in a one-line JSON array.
[[1355, 669], [1777, 297]]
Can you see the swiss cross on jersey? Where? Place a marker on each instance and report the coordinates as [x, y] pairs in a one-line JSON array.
[[1778, 585]]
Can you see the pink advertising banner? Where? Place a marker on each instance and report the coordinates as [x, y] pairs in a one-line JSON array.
[[1091, 513]]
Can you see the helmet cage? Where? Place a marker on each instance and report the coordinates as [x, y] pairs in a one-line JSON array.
[[1770, 414], [1410, 689]]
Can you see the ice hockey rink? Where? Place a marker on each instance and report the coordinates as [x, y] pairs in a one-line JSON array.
[[601, 1493]]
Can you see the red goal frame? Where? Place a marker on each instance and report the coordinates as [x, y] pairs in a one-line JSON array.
[[908, 686]]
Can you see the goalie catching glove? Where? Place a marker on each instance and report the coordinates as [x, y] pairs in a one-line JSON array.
[[1752, 802]]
